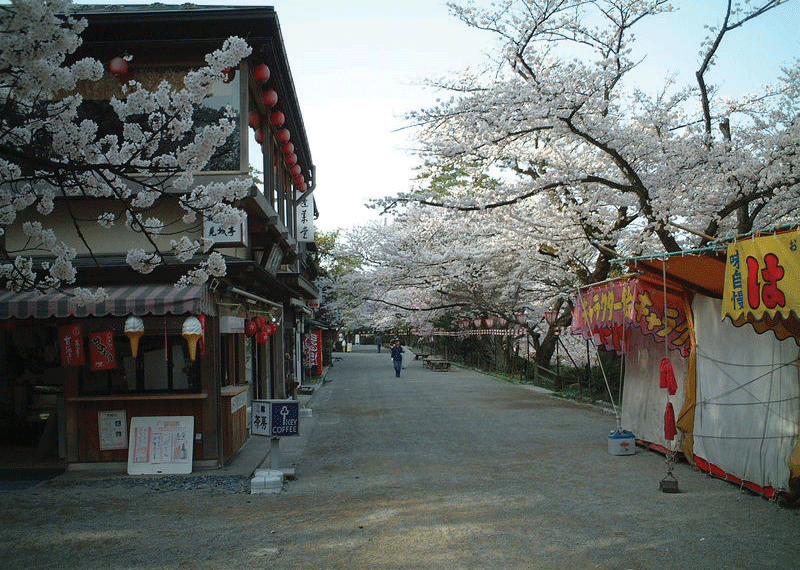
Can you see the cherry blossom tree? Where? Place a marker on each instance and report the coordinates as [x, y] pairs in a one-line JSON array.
[[582, 153], [632, 167], [50, 148], [429, 268], [585, 166]]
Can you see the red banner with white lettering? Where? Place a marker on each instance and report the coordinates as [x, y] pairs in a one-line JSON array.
[[604, 312], [70, 345], [102, 353], [312, 343]]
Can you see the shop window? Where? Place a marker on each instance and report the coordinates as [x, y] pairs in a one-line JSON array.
[[163, 365]]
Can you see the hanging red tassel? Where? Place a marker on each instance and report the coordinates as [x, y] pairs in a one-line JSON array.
[[670, 430], [668, 377]]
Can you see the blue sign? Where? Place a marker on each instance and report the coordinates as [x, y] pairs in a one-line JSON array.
[[285, 418]]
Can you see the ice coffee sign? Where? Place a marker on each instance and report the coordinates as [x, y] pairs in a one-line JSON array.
[[225, 236]]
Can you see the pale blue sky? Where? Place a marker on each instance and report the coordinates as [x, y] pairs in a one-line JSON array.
[[357, 67]]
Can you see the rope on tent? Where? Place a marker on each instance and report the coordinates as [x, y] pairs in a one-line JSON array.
[[603, 370], [669, 484]]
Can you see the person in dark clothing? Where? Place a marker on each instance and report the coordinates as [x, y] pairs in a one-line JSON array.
[[379, 342], [397, 356]]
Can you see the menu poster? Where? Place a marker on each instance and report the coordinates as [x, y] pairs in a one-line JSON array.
[[161, 445], [113, 430]]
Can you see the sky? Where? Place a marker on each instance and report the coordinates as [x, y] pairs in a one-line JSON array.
[[358, 68]]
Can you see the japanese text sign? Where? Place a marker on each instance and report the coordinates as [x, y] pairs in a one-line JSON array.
[[312, 345], [275, 418], [225, 236], [305, 218], [102, 354], [762, 277], [70, 344], [603, 313]]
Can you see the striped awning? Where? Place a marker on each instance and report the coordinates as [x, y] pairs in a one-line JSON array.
[[151, 299]]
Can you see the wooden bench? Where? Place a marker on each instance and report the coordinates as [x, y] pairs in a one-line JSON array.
[[438, 365]]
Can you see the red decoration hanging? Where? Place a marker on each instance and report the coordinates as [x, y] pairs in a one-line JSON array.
[[118, 66], [262, 337], [284, 135], [299, 179], [271, 328], [277, 118], [250, 327], [269, 98], [291, 159], [254, 119], [102, 353], [70, 344], [261, 323], [295, 170], [667, 379], [260, 136], [302, 187], [288, 148], [261, 73], [670, 430]]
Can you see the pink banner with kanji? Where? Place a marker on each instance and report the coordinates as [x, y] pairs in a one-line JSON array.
[[604, 312]]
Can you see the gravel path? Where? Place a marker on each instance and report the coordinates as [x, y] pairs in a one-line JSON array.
[[433, 470]]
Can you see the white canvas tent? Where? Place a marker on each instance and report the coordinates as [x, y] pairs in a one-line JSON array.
[[738, 399]]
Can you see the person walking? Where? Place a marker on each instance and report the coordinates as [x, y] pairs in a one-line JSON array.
[[397, 356], [379, 342]]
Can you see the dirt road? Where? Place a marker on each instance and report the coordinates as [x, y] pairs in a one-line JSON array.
[[429, 470]]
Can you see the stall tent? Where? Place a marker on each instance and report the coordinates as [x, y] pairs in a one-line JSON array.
[[737, 396]]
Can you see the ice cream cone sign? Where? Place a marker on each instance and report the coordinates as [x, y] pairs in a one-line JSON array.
[[134, 329], [192, 332]]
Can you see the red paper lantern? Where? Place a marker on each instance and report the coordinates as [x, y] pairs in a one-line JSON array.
[[118, 66], [250, 327], [254, 119], [288, 148], [261, 323], [296, 170], [261, 73], [277, 118], [291, 159], [262, 337], [284, 135], [260, 136], [269, 98], [302, 187], [299, 179]]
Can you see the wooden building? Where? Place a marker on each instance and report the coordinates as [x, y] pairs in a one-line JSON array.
[[72, 372]]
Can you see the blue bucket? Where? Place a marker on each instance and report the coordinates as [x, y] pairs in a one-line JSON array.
[[621, 442]]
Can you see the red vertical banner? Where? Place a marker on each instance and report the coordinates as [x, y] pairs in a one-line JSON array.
[[312, 342], [70, 345], [102, 352], [318, 360]]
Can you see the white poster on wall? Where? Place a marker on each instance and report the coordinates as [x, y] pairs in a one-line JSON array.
[[112, 429]]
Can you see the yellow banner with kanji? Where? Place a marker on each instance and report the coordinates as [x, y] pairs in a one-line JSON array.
[[762, 277]]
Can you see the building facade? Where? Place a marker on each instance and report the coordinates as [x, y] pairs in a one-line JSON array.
[[75, 375]]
